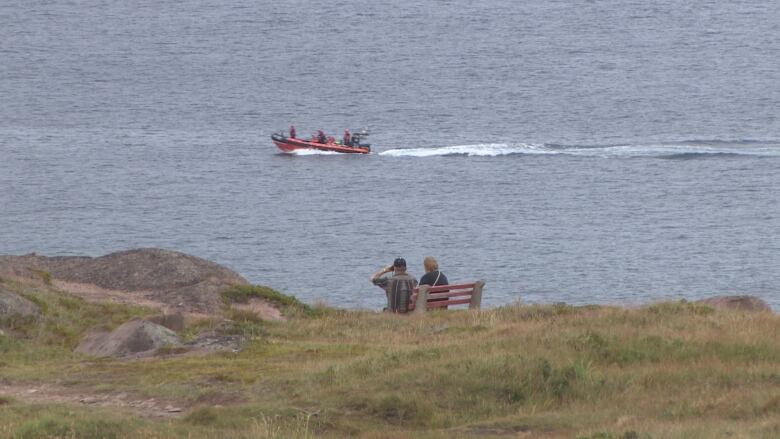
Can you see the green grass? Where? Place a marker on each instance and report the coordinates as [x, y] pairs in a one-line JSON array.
[[672, 370], [66, 318]]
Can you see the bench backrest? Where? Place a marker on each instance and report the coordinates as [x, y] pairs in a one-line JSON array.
[[446, 295]]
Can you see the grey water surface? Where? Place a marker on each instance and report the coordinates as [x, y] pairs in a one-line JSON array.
[[617, 152]]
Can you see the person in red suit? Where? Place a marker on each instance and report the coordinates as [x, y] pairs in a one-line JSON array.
[[347, 138]]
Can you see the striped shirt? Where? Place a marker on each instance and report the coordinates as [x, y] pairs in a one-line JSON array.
[[398, 288]]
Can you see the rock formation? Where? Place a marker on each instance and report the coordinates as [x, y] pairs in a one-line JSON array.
[[14, 305], [136, 337], [175, 281]]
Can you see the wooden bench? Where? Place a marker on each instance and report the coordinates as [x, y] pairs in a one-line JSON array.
[[424, 297]]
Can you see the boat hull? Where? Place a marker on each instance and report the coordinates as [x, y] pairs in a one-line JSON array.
[[287, 144]]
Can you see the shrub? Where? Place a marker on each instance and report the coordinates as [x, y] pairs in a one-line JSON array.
[[546, 380], [202, 416], [394, 410], [44, 275], [243, 293], [626, 435], [45, 427], [771, 407], [99, 429], [681, 307], [170, 350], [244, 323], [34, 298], [60, 424]]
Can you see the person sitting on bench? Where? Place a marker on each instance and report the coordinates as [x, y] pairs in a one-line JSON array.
[[398, 287], [433, 276]]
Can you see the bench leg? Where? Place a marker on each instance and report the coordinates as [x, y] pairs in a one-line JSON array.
[[420, 306], [476, 297]]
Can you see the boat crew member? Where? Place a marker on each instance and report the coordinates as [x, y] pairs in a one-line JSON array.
[[321, 137], [292, 131], [347, 138]]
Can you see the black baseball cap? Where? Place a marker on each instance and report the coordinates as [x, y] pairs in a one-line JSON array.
[[399, 262]]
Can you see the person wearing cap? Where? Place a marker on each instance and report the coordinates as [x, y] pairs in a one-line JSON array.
[[398, 287]]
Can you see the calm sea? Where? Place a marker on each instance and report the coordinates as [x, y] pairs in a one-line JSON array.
[[564, 151]]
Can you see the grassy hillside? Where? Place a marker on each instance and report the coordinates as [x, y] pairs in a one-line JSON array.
[[672, 370]]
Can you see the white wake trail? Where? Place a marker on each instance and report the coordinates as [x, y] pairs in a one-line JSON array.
[[612, 151], [477, 150]]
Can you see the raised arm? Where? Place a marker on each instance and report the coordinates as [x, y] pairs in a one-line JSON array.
[[375, 277]]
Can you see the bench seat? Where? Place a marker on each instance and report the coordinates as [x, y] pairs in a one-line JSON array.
[[426, 297]]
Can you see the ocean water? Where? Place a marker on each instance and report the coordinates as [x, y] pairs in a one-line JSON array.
[[579, 151]]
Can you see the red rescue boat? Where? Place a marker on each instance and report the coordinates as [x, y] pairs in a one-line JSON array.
[[290, 144]]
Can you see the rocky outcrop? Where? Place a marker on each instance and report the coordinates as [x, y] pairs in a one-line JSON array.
[[176, 281], [33, 266], [14, 305], [134, 338], [144, 270], [744, 303]]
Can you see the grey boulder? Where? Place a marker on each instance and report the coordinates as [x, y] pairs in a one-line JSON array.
[[134, 338], [14, 305]]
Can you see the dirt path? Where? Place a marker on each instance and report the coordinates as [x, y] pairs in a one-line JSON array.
[[48, 393], [96, 294]]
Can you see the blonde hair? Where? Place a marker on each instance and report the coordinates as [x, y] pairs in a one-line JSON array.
[[430, 264]]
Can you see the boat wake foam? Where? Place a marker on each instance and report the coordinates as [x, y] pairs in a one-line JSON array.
[[675, 150], [478, 150], [313, 152]]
